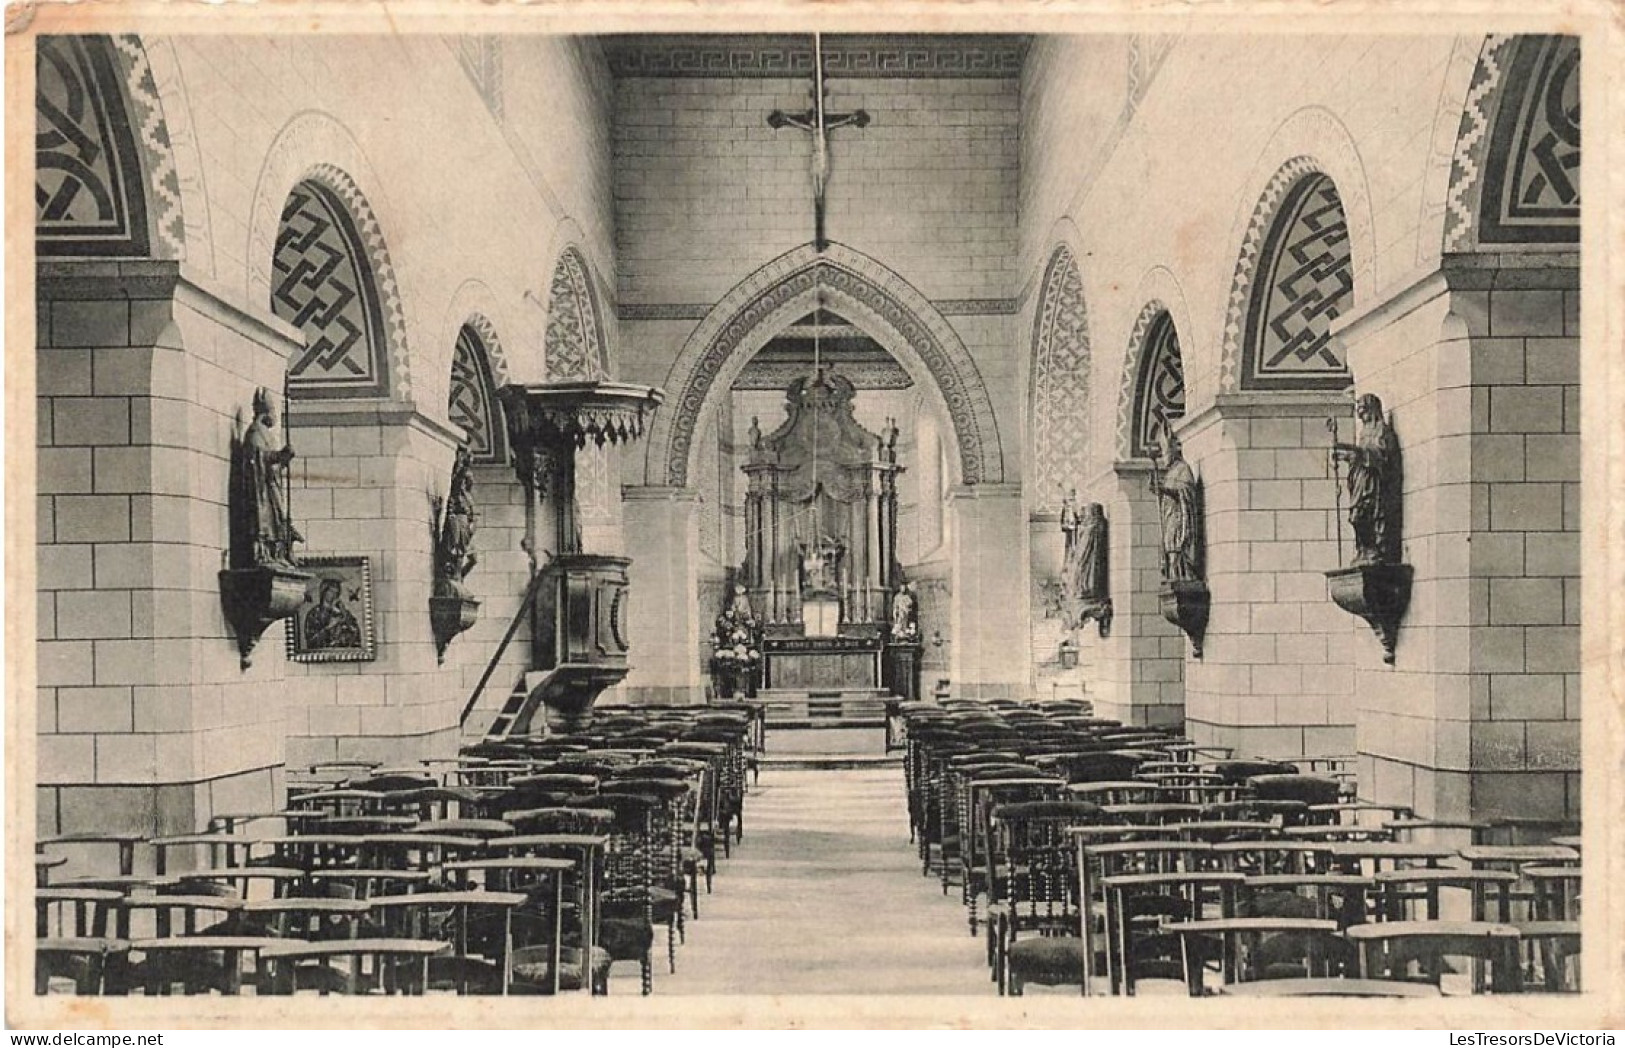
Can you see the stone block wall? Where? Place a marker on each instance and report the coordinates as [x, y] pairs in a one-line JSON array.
[[1276, 676], [145, 719]]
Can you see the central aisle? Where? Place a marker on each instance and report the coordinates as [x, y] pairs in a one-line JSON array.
[[824, 895]]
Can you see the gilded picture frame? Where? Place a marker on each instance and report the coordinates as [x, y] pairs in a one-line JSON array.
[[335, 623]]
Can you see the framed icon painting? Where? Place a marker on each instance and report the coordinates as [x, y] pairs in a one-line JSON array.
[[335, 623]]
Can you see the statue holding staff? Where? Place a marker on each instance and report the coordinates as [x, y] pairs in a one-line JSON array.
[[1373, 484]]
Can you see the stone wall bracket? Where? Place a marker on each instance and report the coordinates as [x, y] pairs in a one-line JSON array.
[[450, 613], [1185, 603], [253, 598], [1377, 593]]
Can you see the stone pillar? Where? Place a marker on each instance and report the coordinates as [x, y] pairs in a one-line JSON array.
[[1276, 677], [665, 617], [1140, 668], [1480, 714], [145, 719], [990, 632], [361, 482]]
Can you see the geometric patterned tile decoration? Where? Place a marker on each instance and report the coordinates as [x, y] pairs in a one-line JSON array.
[[472, 405], [1532, 176], [322, 283], [842, 272], [1145, 55], [1159, 381], [89, 192], [165, 220], [1060, 383], [1472, 142], [481, 59], [1304, 280], [573, 345], [948, 307], [759, 55]]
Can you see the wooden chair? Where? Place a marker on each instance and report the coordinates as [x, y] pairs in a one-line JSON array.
[[631, 903], [448, 916], [197, 963], [1389, 949], [1137, 905], [95, 965], [1329, 988], [982, 796], [1237, 962], [1035, 892], [397, 966]]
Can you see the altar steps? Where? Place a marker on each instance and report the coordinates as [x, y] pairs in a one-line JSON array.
[[824, 707]]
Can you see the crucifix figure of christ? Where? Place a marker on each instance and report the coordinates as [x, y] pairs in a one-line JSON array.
[[819, 123]]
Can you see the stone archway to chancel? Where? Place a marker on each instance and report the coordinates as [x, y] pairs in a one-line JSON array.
[[919, 346]]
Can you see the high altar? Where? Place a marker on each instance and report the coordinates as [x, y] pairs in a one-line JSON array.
[[820, 539]]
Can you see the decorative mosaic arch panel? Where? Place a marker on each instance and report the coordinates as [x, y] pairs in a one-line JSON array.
[[1515, 179], [1305, 278], [1153, 385], [89, 196], [472, 405], [874, 287], [1059, 399], [1293, 275], [323, 284], [574, 342]]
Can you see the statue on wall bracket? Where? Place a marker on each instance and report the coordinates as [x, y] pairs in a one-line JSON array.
[[262, 581], [452, 609], [1184, 596], [1375, 585], [1085, 591]]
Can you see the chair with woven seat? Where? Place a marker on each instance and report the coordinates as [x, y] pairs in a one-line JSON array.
[[1137, 906], [985, 790], [1242, 770], [1033, 892], [697, 843], [630, 901], [669, 822]]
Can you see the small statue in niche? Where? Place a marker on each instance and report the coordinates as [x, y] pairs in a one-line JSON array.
[[904, 624], [755, 434], [1179, 494], [739, 606], [1084, 586], [264, 531], [1373, 484], [820, 566], [454, 547]]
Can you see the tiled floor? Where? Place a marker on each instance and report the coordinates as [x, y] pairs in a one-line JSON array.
[[824, 895]]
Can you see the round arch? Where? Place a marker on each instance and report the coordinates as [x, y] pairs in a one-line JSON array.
[[314, 147], [1311, 141], [1058, 397], [574, 344], [1153, 379], [1161, 293], [886, 306]]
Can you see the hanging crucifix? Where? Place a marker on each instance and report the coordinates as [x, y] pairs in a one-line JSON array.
[[819, 123]]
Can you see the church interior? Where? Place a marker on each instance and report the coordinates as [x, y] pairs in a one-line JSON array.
[[1106, 507]]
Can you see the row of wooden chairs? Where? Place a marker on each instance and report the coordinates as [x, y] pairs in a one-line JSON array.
[[526, 866], [1111, 855]]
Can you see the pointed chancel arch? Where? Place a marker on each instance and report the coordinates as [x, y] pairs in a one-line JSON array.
[[472, 405], [331, 277], [574, 345], [887, 307], [1059, 390]]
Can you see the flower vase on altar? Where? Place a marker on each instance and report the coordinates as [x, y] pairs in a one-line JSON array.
[[736, 648]]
